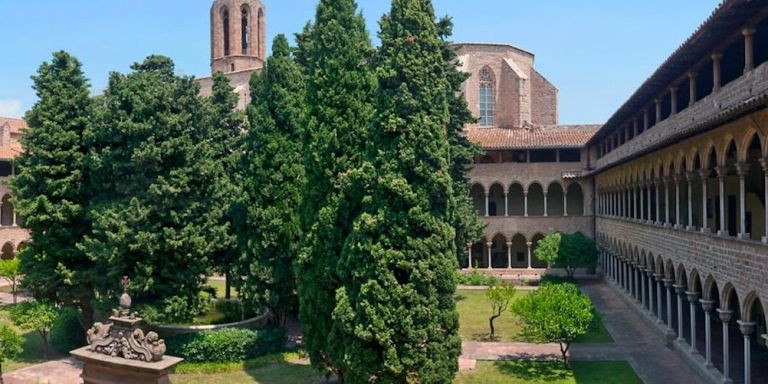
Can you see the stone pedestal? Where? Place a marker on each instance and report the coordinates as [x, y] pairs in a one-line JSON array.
[[99, 368]]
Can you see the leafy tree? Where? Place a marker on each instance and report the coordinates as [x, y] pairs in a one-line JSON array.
[[395, 309], [152, 220], [568, 251], [303, 52], [270, 232], [340, 89], [51, 187], [556, 313], [11, 345], [499, 295], [467, 224], [226, 125], [36, 316], [9, 270]]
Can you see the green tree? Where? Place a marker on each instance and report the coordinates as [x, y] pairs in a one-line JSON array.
[[500, 296], [10, 272], [269, 235], [152, 218], [303, 52], [340, 89], [568, 251], [467, 224], [227, 126], [11, 345], [51, 187], [36, 316], [556, 313], [396, 310]]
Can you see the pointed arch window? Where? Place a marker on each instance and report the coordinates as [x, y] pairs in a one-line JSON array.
[[486, 98], [225, 27], [245, 29]]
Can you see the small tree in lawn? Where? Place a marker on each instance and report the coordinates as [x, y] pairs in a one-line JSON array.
[[9, 270], [568, 251], [556, 313], [500, 296], [36, 316], [10, 346], [549, 250]]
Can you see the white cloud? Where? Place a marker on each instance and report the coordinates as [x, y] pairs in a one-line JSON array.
[[11, 108]]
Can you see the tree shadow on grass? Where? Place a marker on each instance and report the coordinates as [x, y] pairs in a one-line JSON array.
[[533, 371], [459, 297], [485, 337]]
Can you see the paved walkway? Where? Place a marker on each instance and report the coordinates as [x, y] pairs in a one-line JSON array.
[[64, 371]]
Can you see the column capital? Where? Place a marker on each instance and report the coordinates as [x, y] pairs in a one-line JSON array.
[[679, 289], [690, 176], [707, 305], [722, 171], [725, 315], [692, 74], [658, 277], [764, 163], [489, 244], [704, 174], [748, 31], [668, 282], [509, 243], [692, 296], [528, 244], [746, 327], [716, 56], [742, 169]]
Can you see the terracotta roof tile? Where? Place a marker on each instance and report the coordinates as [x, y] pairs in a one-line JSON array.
[[560, 136], [15, 124], [9, 150]]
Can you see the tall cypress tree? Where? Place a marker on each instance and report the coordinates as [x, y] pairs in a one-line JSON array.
[[396, 305], [270, 234], [153, 220], [341, 86], [50, 186]]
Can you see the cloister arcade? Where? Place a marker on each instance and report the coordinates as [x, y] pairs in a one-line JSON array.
[[722, 327], [559, 198], [713, 183], [504, 252]]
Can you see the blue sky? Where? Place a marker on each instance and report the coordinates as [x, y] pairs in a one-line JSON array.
[[596, 52]]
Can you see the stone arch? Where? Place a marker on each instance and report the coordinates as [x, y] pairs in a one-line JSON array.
[[660, 265], [752, 307], [575, 197], [535, 199], [669, 269], [496, 199], [681, 277], [710, 291], [727, 147], [519, 251], [708, 153], [555, 199], [516, 199], [21, 246], [498, 251], [6, 211], [8, 251], [535, 262], [729, 298]]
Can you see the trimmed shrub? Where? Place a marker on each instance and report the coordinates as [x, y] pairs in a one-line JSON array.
[[226, 345], [476, 278], [67, 332]]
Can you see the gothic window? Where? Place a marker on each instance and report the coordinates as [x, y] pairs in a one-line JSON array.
[[245, 29], [225, 24], [259, 31], [486, 98]]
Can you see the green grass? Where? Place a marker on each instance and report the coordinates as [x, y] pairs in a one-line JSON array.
[[33, 346], [475, 309], [280, 368], [219, 286], [518, 372]]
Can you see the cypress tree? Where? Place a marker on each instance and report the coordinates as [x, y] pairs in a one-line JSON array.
[[226, 131], [50, 187], [396, 305], [269, 237], [153, 219], [341, 86]]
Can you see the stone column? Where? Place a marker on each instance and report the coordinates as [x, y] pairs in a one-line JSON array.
[[489, 244], [469, 254], [678, 222], [722, 173], [529, 244], [680, 290], [545, 205], [646, 119], [486, 205], [668, 285], [565, 203], [642, 286], [693, 297], [525, 201], [716, 72], [749, 51], [506, 204], [673, 100], [509, 255], [667, 181], [650, 205], [689, 177], [641, 216], [658, 110], [764, 164], [659, 289], [649, 275], [742, 169], [708, 306], [658, 202], [747, 328], [704, 174], [692, 88], [725, 317]]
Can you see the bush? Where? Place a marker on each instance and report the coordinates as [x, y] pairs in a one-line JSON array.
[[67, 332], [226, 345], [235, 310], [475, 278], [554, 280]]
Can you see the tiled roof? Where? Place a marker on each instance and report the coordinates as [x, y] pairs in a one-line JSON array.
[[559, 136], [11, 148], [15, 124]]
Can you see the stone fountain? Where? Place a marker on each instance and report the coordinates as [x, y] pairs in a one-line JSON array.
[[120, 352]]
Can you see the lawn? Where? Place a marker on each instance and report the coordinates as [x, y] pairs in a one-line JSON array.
[[33, 345], [281, 368], [474, 310], [219, 286], [518, 372]]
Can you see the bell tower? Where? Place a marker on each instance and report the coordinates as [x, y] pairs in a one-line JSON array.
[[238, 41]]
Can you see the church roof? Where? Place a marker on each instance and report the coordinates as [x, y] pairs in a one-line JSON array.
[[15, 125], [10, 147], [543, 137]]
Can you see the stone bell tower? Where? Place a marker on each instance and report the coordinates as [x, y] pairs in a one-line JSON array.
[[238, 29]]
